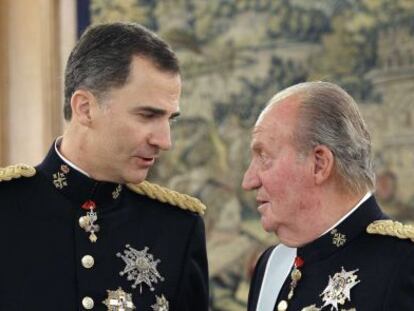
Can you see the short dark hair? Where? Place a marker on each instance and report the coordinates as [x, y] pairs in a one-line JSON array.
[[102, 57]]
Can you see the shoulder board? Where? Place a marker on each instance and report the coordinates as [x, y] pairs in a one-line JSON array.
[[16, 171], [391, 228], [165, 195]]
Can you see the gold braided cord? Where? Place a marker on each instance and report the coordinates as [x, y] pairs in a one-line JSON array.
[[168, 196], [392, 228], [16, 171]]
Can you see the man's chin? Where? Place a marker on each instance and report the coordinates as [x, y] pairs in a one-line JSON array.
[[288, 239], [266, 226], [137, 177]]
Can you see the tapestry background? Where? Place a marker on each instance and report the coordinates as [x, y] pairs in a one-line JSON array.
[[235, 55]]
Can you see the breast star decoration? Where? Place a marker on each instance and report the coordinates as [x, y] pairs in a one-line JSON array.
[[118, 300], [339, 288], [140, 267], [161, 304]]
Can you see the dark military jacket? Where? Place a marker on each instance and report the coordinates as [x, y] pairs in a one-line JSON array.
[[154, 251], [350, 269]]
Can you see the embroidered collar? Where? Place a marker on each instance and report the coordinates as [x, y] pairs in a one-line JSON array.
[[354, 225], [75, 185], [360, 202]]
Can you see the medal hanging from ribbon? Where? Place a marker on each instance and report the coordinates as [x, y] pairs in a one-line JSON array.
[[87, 222], [295, 276]]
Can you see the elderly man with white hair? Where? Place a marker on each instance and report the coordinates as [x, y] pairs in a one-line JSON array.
[[313, 172]]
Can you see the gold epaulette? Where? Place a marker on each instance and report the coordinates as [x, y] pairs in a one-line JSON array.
[[392, 228], [168, 196], [16, 171]]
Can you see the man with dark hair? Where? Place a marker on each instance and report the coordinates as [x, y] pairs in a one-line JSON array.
[[312, 169], [84, 230]]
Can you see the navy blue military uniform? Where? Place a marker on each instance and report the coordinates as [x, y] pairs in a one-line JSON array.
[[380, 268], [48, 261]]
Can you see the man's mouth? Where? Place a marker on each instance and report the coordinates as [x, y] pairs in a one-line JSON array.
[[148, 158], [261, 204], [146, 161]]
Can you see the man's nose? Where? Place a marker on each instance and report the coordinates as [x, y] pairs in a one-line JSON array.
[[161, 137], [250, 180]]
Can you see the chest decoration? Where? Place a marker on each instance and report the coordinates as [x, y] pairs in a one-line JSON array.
[[337, 292], [140, 267], [87, 222], [295, 277], [161, 304], [339, 288], [118, 300]]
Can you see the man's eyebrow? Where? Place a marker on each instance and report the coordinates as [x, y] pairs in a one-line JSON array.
[[175, 115], [156, 111], [256, 146]]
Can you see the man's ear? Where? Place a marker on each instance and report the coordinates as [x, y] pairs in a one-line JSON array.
[[323, 163], [82, 102]]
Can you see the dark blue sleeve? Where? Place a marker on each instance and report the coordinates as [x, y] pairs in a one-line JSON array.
[[400, 294], [194, 291]]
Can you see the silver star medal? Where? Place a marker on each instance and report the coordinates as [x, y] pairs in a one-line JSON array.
[[161, 304], [140, 267], [339, 288], [118, 300]]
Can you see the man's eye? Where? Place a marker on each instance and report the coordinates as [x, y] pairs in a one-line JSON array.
[[147, 115], [263, 156], [264, 159]]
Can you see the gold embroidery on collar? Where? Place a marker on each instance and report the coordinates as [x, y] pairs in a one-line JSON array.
[[59, 180], [338, 238], [117, 192]]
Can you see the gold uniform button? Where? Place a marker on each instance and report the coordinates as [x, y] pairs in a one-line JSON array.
[[87, 303], [88, 261], [282, 306]]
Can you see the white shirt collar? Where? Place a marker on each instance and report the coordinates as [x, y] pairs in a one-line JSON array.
[[71, 164], [364, 198]]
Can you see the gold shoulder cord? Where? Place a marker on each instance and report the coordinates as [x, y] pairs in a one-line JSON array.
[[165, 195], [16, 171], [392, 228]]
